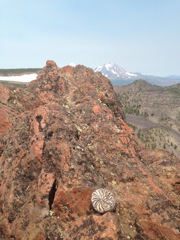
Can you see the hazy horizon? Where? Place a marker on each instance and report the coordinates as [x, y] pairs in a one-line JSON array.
[[140, 36]]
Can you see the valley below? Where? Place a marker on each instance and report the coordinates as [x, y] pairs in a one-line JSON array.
[[155, 135], [154, 114]]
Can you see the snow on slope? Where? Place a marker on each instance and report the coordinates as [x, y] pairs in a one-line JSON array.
[[113, 71], [21, 78], [72, 64], [119, 76]]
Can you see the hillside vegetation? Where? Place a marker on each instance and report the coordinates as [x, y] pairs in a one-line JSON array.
[[154, 113]]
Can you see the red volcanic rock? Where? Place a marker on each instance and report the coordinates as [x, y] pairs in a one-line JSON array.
[[50, 64], [61, 138], [4, 94], [4, 120]]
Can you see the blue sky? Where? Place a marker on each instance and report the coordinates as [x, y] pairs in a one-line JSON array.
[[138, 35]]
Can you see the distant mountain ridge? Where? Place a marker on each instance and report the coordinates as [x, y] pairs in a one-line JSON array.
[[113, 72], [119, 76]]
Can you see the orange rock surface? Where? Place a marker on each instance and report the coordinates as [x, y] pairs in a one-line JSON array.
[[64, 136]]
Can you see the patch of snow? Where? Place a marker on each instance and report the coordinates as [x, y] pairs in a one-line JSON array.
[[21, 78], [72, 64], [108, 65], [131, 74], [114, 72]]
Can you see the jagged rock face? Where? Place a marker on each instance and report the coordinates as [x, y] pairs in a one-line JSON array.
[[66, 137]]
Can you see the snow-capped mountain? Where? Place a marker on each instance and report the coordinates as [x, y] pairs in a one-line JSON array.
[[113, 72], [120, 76]]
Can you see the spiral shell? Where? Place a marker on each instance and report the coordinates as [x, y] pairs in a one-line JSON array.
[[103, 200]]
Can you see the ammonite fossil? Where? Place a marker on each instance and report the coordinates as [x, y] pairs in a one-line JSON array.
[[103, 200]]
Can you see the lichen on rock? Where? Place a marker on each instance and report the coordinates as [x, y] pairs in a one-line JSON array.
[[67, 137]]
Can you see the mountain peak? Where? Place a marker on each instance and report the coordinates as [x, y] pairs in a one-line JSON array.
[[109, 65], [114, 72], [119, 76]]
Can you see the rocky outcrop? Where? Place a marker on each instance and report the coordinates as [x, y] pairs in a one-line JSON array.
[[66, 137]]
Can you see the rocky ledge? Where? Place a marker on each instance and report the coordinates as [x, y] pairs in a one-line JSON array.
[[61, 138]]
